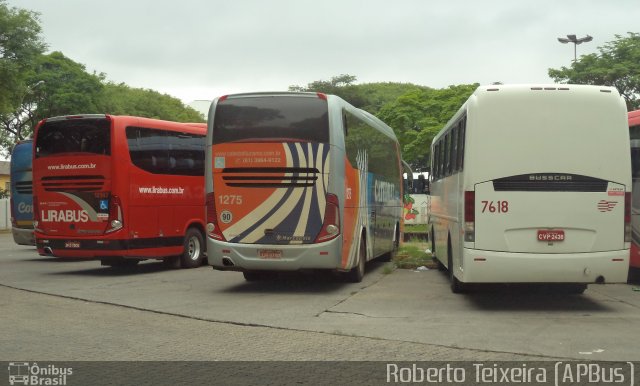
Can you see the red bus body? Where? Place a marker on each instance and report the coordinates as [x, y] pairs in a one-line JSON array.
[[634, 132], [123, 186]]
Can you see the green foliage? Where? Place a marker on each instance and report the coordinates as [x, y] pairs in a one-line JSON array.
[[67, 88], [56, 86], [20, 43], [368, 96], [411, 256], [418, 115], [120, 99], [60, 86], [4, 193], [617, 64]]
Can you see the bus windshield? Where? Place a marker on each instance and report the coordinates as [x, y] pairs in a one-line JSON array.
[[74, 136], [263, 118]]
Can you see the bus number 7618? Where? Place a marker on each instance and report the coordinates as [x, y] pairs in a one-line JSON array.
[[493, 207]]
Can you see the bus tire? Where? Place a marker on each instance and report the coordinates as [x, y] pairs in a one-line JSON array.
[[356, 274], [457, 287], [193, 253], [394, 248]]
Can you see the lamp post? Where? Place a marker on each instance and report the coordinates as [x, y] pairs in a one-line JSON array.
[[575, 41]]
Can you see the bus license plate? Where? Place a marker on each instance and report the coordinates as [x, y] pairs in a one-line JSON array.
[[270, 253], [72, 244], [550, 235]]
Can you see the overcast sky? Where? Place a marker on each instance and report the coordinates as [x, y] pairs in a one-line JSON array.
[[200, 49]]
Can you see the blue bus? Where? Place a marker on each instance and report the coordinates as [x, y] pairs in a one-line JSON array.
[[22, 193]]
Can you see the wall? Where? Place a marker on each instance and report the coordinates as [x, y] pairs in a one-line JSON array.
[[5, 214]]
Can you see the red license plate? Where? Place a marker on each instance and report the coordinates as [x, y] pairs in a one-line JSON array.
[[550, 235], [270, 253]]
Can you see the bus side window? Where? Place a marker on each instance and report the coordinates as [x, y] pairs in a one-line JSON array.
[[344, 123]]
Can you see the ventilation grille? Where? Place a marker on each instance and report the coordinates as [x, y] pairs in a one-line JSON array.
[[270, 177], [549, 182], [73, 183], [24, 187]]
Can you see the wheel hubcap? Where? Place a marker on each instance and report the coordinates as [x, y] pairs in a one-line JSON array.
[[194, 248]]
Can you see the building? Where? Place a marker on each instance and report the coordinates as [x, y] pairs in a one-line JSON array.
[[5, 175]]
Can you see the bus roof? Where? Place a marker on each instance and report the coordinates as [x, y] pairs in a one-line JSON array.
[[515, 90], [634, 118]]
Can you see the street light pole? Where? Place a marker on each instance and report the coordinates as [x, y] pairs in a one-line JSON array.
[[575, 41]]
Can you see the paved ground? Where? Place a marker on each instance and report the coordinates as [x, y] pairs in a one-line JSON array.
[[76, 310]]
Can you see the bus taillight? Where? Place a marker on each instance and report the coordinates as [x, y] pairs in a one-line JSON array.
[[331, 224], [213, 230], [627, 217], [470, 216], [13, 218], [115, 215], [36, 214]]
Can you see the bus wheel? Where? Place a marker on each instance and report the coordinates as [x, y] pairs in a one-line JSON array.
[[193, 249], [386, 257], [457, 287], [356, 273]]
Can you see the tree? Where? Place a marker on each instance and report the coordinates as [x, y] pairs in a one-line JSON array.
[[417, 116], [120, 99], [56, 86], [367, 96], [617, 64], [20, 44]]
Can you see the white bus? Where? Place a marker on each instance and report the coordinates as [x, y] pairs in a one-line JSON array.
[[531, 184], [299, 181]]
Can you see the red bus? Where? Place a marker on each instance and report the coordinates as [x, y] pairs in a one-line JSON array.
[[120, 189], [634, 134]]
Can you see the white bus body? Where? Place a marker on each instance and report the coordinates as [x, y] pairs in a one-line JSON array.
[[531, 184]]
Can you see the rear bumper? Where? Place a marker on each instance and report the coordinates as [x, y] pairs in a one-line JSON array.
[[244, 257], [23, 236], [501, 267], [90, 248]]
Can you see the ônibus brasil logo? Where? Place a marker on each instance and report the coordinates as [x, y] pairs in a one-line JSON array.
[[24, 373]]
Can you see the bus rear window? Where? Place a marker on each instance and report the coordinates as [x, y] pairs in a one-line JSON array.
[[80, 136], [271, 118]]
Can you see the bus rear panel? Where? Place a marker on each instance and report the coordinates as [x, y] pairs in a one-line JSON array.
[[542, 197], [271, 168], [22, 194], [115, 186]]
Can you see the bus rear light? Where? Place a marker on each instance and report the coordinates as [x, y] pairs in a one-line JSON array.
[[13, 219], [36, 215], [213, 230], [470, 216], [322, 96], [331, 224], [627, 217], [115, 215]]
